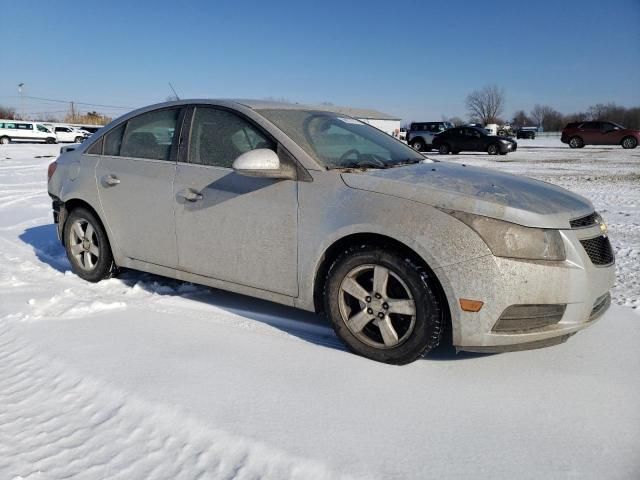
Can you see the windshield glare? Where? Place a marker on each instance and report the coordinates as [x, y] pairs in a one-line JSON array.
[[338, 141]]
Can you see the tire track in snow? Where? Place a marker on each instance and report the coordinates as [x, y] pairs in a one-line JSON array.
[[56, 424]]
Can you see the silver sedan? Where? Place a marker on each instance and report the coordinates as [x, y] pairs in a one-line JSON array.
[[320, 211]]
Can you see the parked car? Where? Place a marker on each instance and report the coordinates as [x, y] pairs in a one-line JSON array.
[[526, 132], [473, 139], [24, 131], [420, 134], [579, 134], [65, 133], [91, 129], [499, 130], [322, 212]]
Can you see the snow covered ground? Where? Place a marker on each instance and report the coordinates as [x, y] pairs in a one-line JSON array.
[[144, 377]]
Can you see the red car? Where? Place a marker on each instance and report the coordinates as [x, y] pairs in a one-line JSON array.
[[579, 134]]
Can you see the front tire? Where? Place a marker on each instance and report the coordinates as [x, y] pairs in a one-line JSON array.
[[51, 140], [79, 139], [629, 142], [87, 246], [417, 145], [576, 142], [382, 305], [493, 149]]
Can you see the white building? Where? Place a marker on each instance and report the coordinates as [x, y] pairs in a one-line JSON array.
[[382, 121]]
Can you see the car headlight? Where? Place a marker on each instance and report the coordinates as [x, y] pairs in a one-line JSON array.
[[506, 239], [506, 142]]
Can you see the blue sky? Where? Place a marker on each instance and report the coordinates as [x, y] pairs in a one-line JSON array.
[[417, 60]]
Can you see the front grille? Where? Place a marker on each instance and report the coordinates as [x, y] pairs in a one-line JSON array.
[[599, 250], [586, 221]]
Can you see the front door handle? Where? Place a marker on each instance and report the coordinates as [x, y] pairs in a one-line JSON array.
[[190, 195], [110, 180]]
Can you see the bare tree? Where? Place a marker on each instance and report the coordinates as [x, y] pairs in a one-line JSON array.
[[7, 113], [457, 121], [486, 104], [540, 112], [520, 119]]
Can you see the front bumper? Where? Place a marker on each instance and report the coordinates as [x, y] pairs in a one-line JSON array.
[[509, 147], [504, 282]]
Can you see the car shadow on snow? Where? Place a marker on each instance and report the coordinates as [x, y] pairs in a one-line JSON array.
[[48, 249], [302, 324]]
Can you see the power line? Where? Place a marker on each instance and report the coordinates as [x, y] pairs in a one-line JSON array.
[[77, 103]]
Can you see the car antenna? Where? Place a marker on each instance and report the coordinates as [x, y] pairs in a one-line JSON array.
[[174, 91]]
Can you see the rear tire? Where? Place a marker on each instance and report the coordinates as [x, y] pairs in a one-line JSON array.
[[5, 140], [444, 149], [395, 321], [629, 142], [576, 142], [87, 246], [417, 144], [79, 139]]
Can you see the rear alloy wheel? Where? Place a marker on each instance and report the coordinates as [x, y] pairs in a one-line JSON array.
[[444, 149], [629, 142], [417, 145], [493, 149], [576, 142], [79, 139], [4, 140], [87, 246], [51, 140], [382, 306]]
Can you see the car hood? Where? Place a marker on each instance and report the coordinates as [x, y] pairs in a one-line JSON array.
[[480, 191]]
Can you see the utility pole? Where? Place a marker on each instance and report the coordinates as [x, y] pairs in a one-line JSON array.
[[73, 113], [20, 85]]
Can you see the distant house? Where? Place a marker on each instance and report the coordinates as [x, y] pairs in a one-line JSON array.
[[382, 121]]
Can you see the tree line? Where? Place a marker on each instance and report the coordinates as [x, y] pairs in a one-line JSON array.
[[89, 118], [487, 104]]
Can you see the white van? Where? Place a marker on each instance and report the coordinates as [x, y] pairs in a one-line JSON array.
[[24, 131], [67, 133]]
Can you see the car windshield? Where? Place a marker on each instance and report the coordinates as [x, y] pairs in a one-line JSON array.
[[337, 141]]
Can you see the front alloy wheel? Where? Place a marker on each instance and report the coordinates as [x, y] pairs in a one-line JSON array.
[[629, 142], [417, 145], [370, 311], [576, 142], [383, 305], [493, 149]]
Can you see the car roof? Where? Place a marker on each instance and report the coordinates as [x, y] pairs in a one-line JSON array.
[[275, 105]]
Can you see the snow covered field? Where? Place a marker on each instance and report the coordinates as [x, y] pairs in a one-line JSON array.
[[144, 377]]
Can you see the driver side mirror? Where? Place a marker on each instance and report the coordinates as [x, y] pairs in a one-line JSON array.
[[264, 163]]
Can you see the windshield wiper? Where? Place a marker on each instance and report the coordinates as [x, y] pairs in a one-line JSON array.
[[407, 161], [362, 164]]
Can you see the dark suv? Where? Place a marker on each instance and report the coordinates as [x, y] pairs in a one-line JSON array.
[[420, 134], [579, 134], [472, 139]]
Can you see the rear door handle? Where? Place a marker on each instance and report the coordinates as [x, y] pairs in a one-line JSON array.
[[110, 180], [190, 195]]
